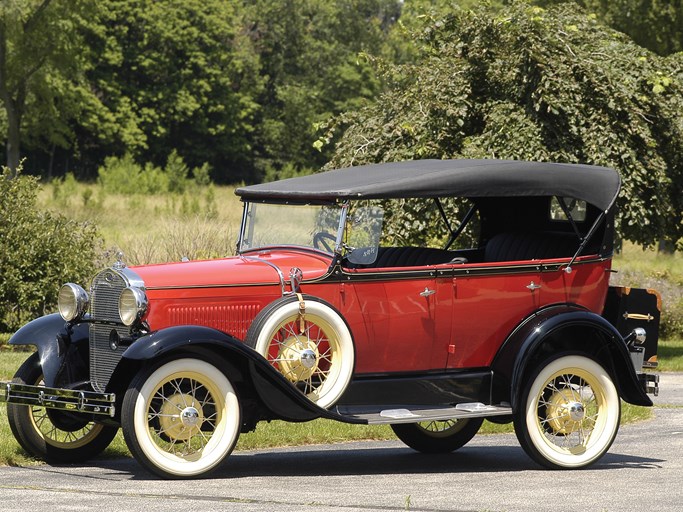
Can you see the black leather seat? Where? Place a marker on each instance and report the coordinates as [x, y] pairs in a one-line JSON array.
[[514, 246]]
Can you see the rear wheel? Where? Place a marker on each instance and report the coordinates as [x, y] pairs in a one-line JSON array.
[[52, 435], [570, 412], [440, 436], [181, 417]]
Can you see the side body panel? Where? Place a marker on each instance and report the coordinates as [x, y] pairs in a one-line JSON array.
[[491, 300]]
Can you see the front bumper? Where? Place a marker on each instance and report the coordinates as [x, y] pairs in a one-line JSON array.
[[87, 402]]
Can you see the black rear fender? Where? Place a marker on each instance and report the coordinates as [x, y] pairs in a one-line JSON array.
[[564, 328]]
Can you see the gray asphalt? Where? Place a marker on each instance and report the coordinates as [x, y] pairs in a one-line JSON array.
[[642, 471]]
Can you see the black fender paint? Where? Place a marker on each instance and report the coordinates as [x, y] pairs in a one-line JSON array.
[[512, 361], [50, 334], [277, 393]]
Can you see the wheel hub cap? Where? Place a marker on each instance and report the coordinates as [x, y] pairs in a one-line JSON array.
[[179, 421], [189, 416], [576, 411], [298, 358], [564, 414], [308, 358]]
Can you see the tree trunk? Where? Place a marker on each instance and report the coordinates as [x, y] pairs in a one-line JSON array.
[[13, 141]]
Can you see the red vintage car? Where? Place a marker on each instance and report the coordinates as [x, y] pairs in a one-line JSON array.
[[428, 295]]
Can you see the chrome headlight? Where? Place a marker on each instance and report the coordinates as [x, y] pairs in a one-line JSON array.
[[72, 302], [132, 305]]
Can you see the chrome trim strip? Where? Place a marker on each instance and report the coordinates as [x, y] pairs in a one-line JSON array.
[[443, 270], [207, 286], [87, 402]]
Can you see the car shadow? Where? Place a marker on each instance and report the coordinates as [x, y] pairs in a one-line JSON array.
[[354, 459]]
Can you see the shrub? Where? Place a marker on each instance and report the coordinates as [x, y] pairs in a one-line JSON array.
[[39, 251], [176, 170], [119, 175], [202, 175], [122, 175]]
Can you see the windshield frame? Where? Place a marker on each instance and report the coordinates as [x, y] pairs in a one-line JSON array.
[[243, 247]]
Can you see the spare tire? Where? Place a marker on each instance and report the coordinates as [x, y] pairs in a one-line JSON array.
[[309, 343]]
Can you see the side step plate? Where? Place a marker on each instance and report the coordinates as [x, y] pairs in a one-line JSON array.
[[415, 415]]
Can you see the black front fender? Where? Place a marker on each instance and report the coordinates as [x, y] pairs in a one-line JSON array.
[[278, 395], [50, 334], [565, 328]]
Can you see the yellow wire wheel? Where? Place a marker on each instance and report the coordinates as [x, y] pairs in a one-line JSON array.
[[438, 436], [570, 413], [308, 343], [52, 435], [181, 418]]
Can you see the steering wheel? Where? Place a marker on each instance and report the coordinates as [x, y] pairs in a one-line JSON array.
[[321, 240]]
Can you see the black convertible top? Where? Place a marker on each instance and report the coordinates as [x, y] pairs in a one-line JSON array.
[[598, 186]]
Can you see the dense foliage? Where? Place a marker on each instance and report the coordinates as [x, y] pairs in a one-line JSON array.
[[41, 73], [39, 251], [529, 83], [236, 85], [653, 24]]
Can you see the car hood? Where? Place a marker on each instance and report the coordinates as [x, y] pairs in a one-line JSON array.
[[251, 268]]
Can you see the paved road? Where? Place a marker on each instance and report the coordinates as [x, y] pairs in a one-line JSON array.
[[642, 471]]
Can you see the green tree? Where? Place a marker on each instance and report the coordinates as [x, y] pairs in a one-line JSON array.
[[39, 54], [653, 24], [175, 75], [529, 83], [311, 63]]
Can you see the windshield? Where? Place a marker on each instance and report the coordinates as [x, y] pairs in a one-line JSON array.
[[268, 225]]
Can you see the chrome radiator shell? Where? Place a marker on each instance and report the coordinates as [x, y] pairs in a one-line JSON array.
[[106, 324]]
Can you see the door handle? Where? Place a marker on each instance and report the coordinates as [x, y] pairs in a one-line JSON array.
[[427, 292], [533, 286]]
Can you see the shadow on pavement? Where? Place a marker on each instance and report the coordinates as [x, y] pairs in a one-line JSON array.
[[364, 461]]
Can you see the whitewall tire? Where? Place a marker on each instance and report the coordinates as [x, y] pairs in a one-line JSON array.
[[181, 418], [317, 360], [569, 413]]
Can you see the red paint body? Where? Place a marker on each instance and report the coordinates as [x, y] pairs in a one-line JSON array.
[[395, 328]]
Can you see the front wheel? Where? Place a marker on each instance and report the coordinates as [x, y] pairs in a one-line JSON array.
[[442, 436], [569, 413], [52, 435], [181, 417]]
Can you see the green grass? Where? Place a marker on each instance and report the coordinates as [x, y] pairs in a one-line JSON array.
[[202, 223], [670, 355]]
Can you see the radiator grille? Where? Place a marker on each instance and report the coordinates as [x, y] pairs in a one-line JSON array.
[[104, 307]]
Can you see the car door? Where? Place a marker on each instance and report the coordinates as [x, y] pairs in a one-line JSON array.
[[489, 301], [397, 318]]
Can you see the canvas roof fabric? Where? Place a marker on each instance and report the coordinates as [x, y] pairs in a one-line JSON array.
[[596, 185]]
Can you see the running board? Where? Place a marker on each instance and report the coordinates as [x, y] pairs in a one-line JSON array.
[[415, 415]]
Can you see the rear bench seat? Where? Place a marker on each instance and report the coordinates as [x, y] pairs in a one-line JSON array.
[[515, 246], [512, 246]]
